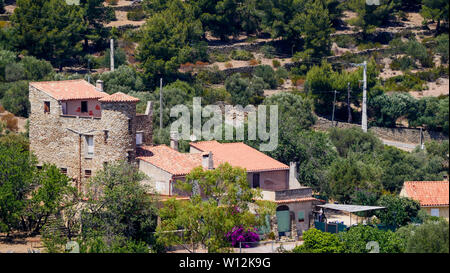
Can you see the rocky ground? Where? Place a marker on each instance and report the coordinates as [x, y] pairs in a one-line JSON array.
[[20, 244]]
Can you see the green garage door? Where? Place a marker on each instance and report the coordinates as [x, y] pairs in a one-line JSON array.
[[284, 221]]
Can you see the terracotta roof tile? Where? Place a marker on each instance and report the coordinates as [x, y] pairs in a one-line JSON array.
[[170, 160], [428, 193], [239, 154], [119, 97], [69, 90]]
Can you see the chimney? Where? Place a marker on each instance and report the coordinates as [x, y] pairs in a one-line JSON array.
[[293, 182], [207, 161], [99, 85], [174, 140]]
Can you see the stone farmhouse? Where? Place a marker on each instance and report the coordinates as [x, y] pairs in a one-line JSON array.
[[80, 129]]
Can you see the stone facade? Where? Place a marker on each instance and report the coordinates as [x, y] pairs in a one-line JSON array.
[[62, 139]]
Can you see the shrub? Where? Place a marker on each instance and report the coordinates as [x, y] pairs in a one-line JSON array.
[[403, 63], [430, 237], [120, 58], [267, 74], [11, 122], [442, 47], [316, 241], [268, 51], [136, 15], [15, 99], [210, 75], [213, 95], [219, 57], [345, 41], [228, 65], [386, 109], [419, 52], [241, 55], [282, 73], [240, 235], [399, 210], [276, 63], [356, 238], [368, 45], [404, 82]]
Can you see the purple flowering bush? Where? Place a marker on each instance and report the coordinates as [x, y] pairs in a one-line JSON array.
[[239, 234]]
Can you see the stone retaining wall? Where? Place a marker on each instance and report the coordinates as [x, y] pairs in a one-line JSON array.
[[226, 49], [400, 134]]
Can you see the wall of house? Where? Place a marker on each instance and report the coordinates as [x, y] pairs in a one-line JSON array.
[[52, 141], [272, 180], [74, 108], [144, 124], [443, 211], [297, 207], [158, 179]]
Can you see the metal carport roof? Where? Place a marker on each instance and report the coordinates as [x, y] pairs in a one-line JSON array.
[[349, 208]]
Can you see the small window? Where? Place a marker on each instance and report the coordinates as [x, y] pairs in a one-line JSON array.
[[84, 107], [64, 108], [64, 171], [435, 212], [129, 157], [46, 107], [256, 180], [130, 127], [139, 138], [39, 167], [87, 173], [89, 146], [106, 136], [301, 216]]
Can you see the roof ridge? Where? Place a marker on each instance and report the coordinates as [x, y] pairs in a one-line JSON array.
[[428, 181], [73, 80]]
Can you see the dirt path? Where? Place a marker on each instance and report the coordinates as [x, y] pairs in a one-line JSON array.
[[20, 245], [435, 89], [122, 20]]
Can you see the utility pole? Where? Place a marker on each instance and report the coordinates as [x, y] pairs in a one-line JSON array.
[[89, 70], [160, 105], [364, 106], [364, 102], [111, 54], [349, 111], [334, 106]]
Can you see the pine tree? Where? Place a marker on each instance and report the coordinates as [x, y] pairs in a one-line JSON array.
[[51, 30]]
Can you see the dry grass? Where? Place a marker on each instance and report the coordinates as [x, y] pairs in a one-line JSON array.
[[253, 62], [112, 2], [11, 122]]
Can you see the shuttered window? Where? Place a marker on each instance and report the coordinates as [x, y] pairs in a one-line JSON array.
[[301, 216], [89, 146], [138, 138]]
